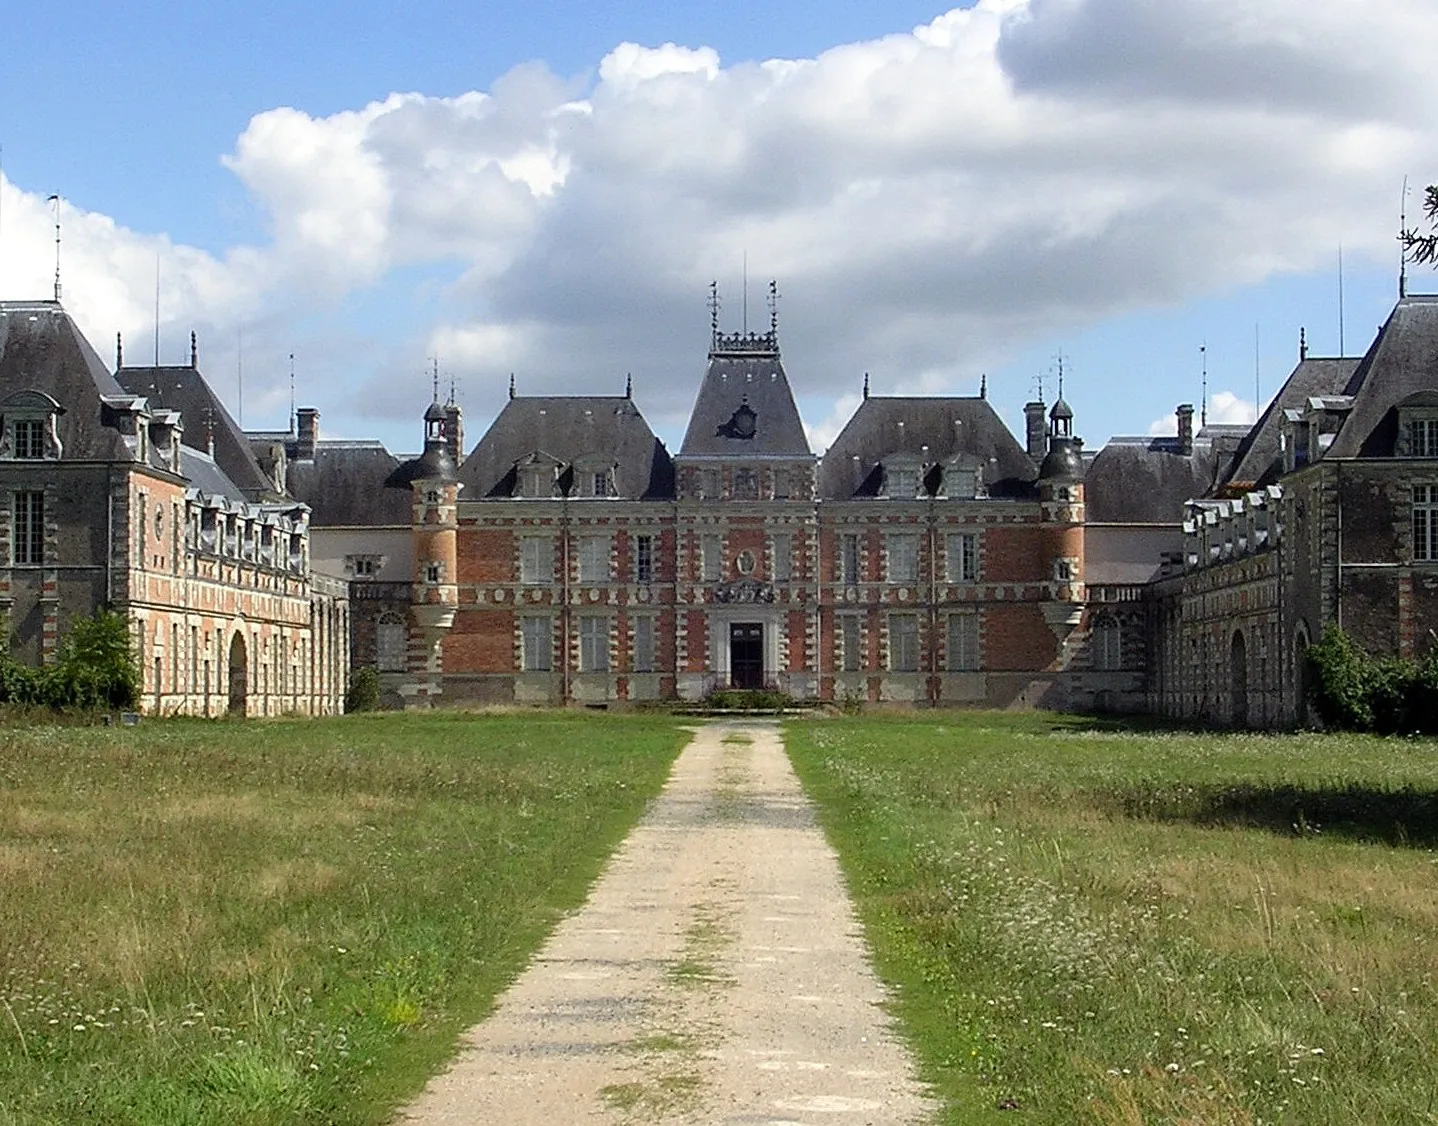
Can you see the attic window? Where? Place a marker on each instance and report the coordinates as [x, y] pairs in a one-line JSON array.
[[901, 481], [29, 438], [742, 423], [1421, 435], [29, 432]]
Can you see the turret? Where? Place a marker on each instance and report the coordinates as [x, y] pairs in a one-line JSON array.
[[434, 594], [1061, 507]]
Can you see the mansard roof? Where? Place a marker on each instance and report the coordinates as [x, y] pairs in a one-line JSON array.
[[344, 486], [570, 428], [42, 349], [1259, 459], [184, 389], [1403, 359], [745, 374], [936, 429]]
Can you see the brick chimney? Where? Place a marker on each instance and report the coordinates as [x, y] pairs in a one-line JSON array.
[[1185, 428], [308, 419], [1035, 430], [454, 431]]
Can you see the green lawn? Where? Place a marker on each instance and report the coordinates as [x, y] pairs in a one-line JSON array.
[[1086, 924], [285, 922]]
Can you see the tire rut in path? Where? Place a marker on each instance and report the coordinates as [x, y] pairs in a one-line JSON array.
[[716, 974]]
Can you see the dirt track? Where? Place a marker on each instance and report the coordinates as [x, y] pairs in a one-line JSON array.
[[715, 975]]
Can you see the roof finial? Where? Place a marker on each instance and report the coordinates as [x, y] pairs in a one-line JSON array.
[[451, 388], [511, 385], [119, 351], [1061, 374], [774, 308], [1203, 412], [629, 385], [983, 385], [293, 416], [866, 385], [1402, 243], [434, 377], [194, 350], [1302, 344], [55, 199], [714, 313]]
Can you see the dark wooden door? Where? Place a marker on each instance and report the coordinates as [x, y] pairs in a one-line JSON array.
[[746, 654]]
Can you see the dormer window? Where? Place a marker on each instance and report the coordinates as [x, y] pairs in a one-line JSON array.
[[903, 474], [594, 477], [29, 432], [599, 483], [1422, 437], [29, 438]]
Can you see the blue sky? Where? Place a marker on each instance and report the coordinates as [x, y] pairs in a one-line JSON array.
[[941, 194]]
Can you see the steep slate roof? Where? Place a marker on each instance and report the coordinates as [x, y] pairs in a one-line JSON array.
[[1403, 359], [948, 426], [1147, 480], [569, 428], [203, 474], [745, 370], [184, 389], [41, 348], [344, 486], [1259, 459]]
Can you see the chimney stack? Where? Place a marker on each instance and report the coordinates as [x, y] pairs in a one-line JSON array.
[[1185, 428], [1035, 430], [308, 419], [454, 432]]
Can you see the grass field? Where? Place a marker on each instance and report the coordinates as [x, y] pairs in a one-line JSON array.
[[1091, 925], [285, 922]]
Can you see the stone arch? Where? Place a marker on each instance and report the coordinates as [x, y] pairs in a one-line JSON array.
[[391, 642], [1301, 683], [239, 673], [1107, 644], [1238, 673]]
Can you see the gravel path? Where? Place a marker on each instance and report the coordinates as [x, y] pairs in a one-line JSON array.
[[715, 975]]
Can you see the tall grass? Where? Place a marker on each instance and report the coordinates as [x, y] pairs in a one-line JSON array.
[[285, 922], [1088, 924]]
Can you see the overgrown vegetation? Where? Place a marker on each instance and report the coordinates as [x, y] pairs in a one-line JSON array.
[[1352, 691], [748, 700], [363, 692], [1088, 924], [94, 669], [287, 923]]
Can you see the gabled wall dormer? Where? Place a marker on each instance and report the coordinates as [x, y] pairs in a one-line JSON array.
[[31, 427]]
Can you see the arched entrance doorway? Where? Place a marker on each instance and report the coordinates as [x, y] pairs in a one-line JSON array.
[[239, 674], [1238, 669]]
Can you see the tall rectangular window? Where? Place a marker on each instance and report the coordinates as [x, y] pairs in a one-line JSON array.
[[902, 552], [593, 559], [644, 644], [593, 644], [746, 484], [1422, 438], [851, 638], [782, 549], [29, 438], [961, 557], [711, 550], [963, 642], [28, 528], [536, 560], [536, 634], [849, 558], [1425, 522], [643, 559], [903, 643]]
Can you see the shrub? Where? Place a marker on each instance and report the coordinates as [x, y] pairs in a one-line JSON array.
[[363, 694], [1386, 695], [95, 668]]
